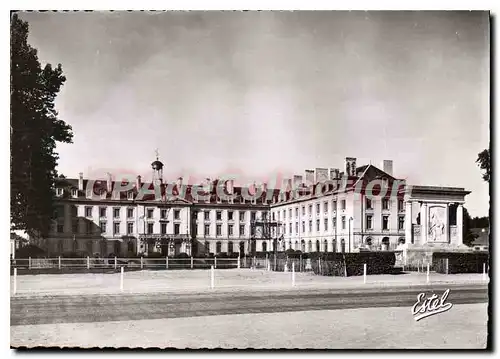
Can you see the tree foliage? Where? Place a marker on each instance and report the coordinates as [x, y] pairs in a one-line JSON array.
[[483, 160], [467, 235], [35, 130]]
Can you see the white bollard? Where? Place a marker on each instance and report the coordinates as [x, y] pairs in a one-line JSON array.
[[364, 273], [166, 262], [116, 262], [428, 272], [15, 281], [192, 263], [59, 262], [121, 279], [142, 263], [239, 264], [293, 274], [215, 262], [29, 262], [88, 262], [212, 277], [484, 271], [268, 266]]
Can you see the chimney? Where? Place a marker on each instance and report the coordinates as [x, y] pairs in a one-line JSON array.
[[321, 174], [230, 186], [387, 167], [138, 183], [179, 183], [309, 177], [284, 185], [297, 181], [264, 188], [109, 183], [80, 181], [334, 173], [350, 166]]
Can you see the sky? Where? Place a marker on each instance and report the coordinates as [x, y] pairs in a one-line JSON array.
[[260, 93]]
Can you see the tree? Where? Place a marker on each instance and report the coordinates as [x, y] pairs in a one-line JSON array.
[[467, 235], [483, 160], [35, 130]]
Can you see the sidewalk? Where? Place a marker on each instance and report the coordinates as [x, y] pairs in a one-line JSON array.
[[242, 281]]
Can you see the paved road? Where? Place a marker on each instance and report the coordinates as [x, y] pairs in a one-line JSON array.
[[82, 309]]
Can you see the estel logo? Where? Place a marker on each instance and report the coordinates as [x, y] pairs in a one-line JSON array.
[[425, 307]]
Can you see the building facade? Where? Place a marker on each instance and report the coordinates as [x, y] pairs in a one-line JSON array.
[[360, 208]]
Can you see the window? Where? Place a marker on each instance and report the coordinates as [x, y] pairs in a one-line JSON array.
[[207, 215], [296, 227], [177, 214], [59, 192], [263, 216], [369, 203], [400, 205], [218, 230], [385, 222], [74, 193], [317, 225], [325, 246], [230, 247], [130, 227], [218, 215], [230, 215], [163, 228], [102, 212], [242, 230], [318, 208], [252, 216], [218, 247], [284, 214], [334, 205], [116, 228], [150, 213], [342, 245], [130, 213], [385, 204], [334, 222], [177, 228], [207, 229], [60, 228], [273, 216], [290, 213], [116, 212], [310, 226], [150, 228], [130, 195], [230, 230], [296, 212], [325, 224], [303, 227], [369, 221], [343, 204], [325, 207], [303, 210], [242, 216], [310, 210], [343, 222], [317, 246], [264, 247], [401, 222], [290, 228], [207, 247], [163, 214], [88, 211]]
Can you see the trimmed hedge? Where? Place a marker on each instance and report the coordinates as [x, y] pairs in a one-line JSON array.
[[460, 262]]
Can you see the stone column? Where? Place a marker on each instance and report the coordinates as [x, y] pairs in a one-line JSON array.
[[460, 224], [447, 233], [424, 225], [408, 222]]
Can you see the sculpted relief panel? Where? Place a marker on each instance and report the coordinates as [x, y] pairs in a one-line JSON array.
[[437, 224]]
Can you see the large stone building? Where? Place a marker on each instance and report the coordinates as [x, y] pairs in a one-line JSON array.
[[360, 208]]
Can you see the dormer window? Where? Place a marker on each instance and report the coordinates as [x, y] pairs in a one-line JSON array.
[[103, 194], [74, 193], [88, 193], [59, 192], [130, 195], [116, 195]]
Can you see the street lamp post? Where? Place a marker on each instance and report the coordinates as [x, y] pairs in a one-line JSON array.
[[350, 219]]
